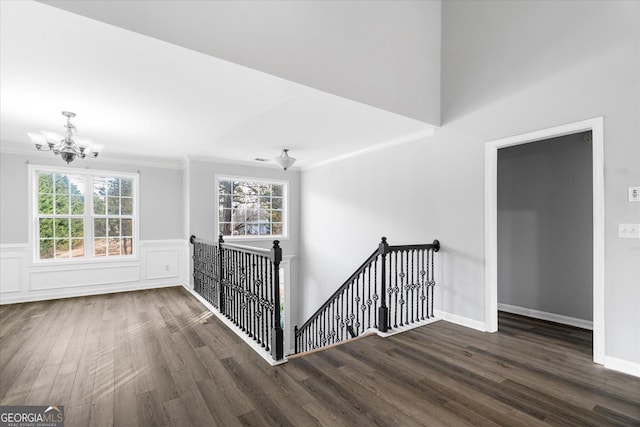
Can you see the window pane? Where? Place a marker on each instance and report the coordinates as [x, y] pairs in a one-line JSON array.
[[62, 204], [263, 216], [224, 187], [100, 247], [77, 248], [126, 187], [276, 216], [113, 187], [45, 204], [113, 205], [277, 190], [99, 205], [224, 201], [61, 228], [77, 205], [276, 203], [253, 229], [126, 206], [276, 229], [127, 227], [62, 184], [45, 183], [100, 227], [62, 248], [224, 215], [46, 249], [224, 228], [77, 228], [126, 246], [265, 190], [46, 228], [265, 202], [239, 229], [76, 185], [114, 246], [114, 227], [100, 186]]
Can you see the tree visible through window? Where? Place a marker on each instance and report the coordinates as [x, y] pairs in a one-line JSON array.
[[72, 225], [251, 208]]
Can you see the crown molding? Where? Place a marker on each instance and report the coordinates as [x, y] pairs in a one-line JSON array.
[[122, 159]]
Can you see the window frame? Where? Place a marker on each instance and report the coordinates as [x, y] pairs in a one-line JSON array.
[[285, 207], [88, 175]]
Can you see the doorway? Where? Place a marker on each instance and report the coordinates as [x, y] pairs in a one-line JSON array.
[[491, 222]]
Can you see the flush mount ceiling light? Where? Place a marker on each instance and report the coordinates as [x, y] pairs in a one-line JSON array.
[[284, 160], [67, 146]]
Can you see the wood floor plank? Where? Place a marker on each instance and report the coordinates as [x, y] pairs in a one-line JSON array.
[[144, 358]]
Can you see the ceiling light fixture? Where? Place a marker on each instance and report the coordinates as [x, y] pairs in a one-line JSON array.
[[67, 146], [284, 160]]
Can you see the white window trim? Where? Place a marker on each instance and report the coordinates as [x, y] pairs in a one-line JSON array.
[[285, 207], [32, 171]]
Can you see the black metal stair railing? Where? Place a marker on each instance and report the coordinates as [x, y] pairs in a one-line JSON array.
[[392, 288], [243, 283]]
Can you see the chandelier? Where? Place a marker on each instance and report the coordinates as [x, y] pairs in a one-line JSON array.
[[68, 146], [284, 160]]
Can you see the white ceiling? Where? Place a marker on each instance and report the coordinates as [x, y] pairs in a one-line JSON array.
[[142, 96]]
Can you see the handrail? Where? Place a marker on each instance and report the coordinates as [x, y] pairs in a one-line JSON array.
[[346, 283], [435, 246], [385, 292], [248, 249]]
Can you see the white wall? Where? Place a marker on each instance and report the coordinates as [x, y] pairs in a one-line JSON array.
[[162, 255], [507, 68], [545, 228]]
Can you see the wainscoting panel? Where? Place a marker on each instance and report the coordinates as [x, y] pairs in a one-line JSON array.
[[159, 263], [12, 260], [86, 275]]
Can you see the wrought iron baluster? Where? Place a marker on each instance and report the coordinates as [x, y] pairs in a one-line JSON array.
[[395, 290], [363, 302]]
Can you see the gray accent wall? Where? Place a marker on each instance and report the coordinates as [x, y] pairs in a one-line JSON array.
[[545, 226]]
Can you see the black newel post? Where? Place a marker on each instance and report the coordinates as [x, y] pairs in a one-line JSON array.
[[192, 240], [295, 340], [220, 276], [277, 335], [383, 310]]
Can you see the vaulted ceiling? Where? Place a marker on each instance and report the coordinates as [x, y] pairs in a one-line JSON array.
[[225, 80]]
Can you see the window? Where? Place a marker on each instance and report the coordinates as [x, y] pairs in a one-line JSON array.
[[248, 207], [81, 215]]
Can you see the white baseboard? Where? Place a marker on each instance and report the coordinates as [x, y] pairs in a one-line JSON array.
[[623, 366], [256, 347], [405, 328], [462, 321], [543, 315]]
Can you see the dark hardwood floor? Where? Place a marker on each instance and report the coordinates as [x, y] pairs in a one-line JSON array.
[[144, 358]]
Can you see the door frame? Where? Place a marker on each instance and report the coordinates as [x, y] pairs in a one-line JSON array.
[[596, 126]]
